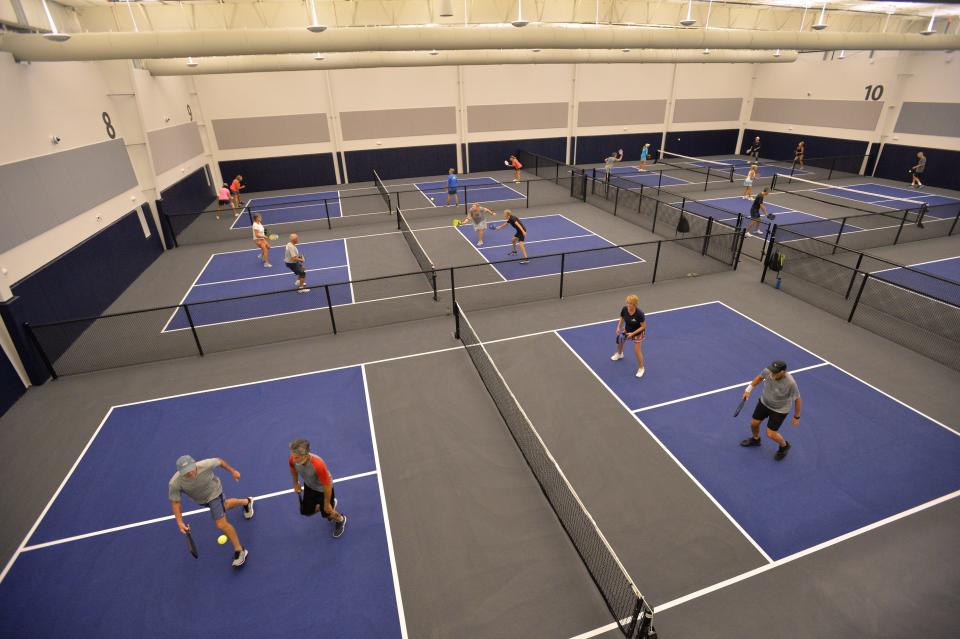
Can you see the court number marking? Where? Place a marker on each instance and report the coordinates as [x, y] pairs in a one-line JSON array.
[[190, 113], [874, 92], [111, 132]]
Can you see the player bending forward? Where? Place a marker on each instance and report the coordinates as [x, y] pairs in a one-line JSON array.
[[779, 390], [317, 489]]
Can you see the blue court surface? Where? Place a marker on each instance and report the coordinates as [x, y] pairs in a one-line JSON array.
[[289, 209], [547, 235], [470, 190], [742, 167], [632, 176], [857, 457], [240, 274], [107, 558], [725, 210], [946, 269], [883, 195]]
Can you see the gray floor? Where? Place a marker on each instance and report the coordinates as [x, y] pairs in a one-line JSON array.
[[493, 562]]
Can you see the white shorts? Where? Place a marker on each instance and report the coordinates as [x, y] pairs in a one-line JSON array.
[[748, 182]]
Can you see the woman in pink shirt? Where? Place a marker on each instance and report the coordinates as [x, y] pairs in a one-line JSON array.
[[223, 198]]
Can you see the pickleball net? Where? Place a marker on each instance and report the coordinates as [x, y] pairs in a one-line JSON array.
[[713, 170], [384, 193], [844, 196], [633, 615], [426, 264]]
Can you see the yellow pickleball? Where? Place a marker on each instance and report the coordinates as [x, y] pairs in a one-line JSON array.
[[222, 539]]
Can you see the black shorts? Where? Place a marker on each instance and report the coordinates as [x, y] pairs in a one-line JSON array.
[[223, 202], [311, 499], [774, 420], [519, 236], [754, 214], [297, 268]]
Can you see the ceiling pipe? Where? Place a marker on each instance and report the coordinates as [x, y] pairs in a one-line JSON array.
[[180, 44], [299, 62]]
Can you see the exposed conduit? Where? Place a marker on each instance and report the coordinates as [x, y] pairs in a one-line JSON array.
[[205, 43]]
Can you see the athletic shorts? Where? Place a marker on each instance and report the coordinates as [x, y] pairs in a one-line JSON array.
[[452, 190], [754, 214], [639, 337], [774, 420], [748, 182], [297, 268], [312, 499], [223, 202], [519, 236], [217, 508], [478, 226]]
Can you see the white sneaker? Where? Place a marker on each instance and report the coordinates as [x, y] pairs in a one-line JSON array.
[[640, 372], [239, 557], [267, 265], [303, 290], [248, 509], [480, 243], [616, 357]]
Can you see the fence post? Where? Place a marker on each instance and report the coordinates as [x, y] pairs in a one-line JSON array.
[[856, 302], [767, 236], [536, 165], [556, 179], [954, 225], [742, 233], [433, 280], [453, 301], [562, 265], [903, 221], [706, 238], [456, 321], [193, 329], [656, 263], [854, 277], [833, 164], [165, 219], [706, 183], [466, 198], [36, 344], [660, 180], [333, 321], [656, 209], [773, 242], [836, 242], [683, 206], [584, 194], [326, 211], [527, 192], [616, 200], [640, 200]]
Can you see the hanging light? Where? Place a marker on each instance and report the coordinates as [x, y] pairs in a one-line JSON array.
[[319, 56], [315, 26], [706, 52], [843, 54], [54, 35], [446, 8], [689, 21], [776, 53], [929, 30], [520, 22], [191, 62], [434, 52], [821, 25]]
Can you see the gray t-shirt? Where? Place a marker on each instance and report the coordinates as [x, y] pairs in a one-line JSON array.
[[921, 164], [292, 252], [478, 217], [313, 472], [778, 394], [203, 488]]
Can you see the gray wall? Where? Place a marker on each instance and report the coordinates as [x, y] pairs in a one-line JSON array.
[[41, 193], [707, 110], [398, 123], [516, 117], [930, 118], [174, 145], [615, 112], [859, 115], [279, 130]]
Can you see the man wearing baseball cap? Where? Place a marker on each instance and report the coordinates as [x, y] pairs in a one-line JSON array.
[[197, 480], [779, 390]]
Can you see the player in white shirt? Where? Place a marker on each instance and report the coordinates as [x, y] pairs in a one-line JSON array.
[[260, 239]]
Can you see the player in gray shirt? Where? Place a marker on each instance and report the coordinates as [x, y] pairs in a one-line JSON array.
[[196, 480], [294, 261], [779, 391]]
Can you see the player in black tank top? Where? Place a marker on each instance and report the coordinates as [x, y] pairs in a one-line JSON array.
[[631, 327], [519, 236]]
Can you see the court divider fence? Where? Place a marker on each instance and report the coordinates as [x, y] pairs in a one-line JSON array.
[[913, 308], [197, 328]]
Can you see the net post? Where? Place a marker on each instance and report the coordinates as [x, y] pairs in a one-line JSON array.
[[773, 182], [248, 208], [836, 242], [853, 279], [833, 164], [433, 281], [856, 302], [456, 309], [193, 329], [706, 238], [466, 198], [527, 192], [640, 199], [556, 179], [562, 268], [903, 220], [742, 234], [660, 179], [954, 225], [326, 212], [706, 183], [536, 165], [616, 199], [656, 209], [399, 226], [766, 262], [583, 195], [32, 337], [656, 263], [732, 170], [333, 321]]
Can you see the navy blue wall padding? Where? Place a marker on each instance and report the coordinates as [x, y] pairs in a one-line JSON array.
[[83, 282], [403, 162], [11, 387], [941, 165], [593, 149], [780, 146], [489, 156], [701, 143], [285, 172], [192, 193]]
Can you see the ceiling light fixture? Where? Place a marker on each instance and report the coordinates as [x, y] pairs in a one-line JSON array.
[[929, 30], [520, 22], [54, 35], [843, 54], [821, 25], [776, 53], [319, 56], [315, 26], [706, 52], [446, 8], [191, 62], [689, 21], [434, 52]]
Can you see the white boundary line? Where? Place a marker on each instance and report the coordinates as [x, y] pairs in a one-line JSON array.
[[182, 299], [313, 203], [912, 194], [383, 505], [260, 277], [897, 268], [428, 198], [97, 533], [346, 255], [666, 450]]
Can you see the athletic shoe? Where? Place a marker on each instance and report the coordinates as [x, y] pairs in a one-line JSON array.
[[480, 243], [616, 357], [267, 265], [338, 528], [248, 509], [303, 289], [640, 371], [236, 215], [750, 441], [782, 451], [218, 217], [524, 261], [239, 557], [512, 253]]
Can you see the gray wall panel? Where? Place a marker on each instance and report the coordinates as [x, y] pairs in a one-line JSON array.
[[174, 145], [615, 112], [278, 130], [398, 123], [860, 115], [707, 110], [930, 118], [516, 117], [41, 193]]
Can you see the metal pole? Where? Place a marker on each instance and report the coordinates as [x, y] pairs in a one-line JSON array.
[[856, 302], [433, 280], [836, 242], [656, 263], [333, 321], [326, 211], [616, 200], [773, 242], [833, 164], [562, 263], [453, 302], [854, 277], [706, 238], [954, 225], [466, 198], [640, 200], [656, 209], [902, 222], [36, 344], [527, 192], [193, 329], [706, 183], [743, 235]]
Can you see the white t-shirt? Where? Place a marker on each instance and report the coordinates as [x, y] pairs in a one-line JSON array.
[[258, 231], [292, 252]]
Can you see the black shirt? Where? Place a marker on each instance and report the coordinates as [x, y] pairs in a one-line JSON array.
[[757, 201], [517, 225], [631, 323]]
